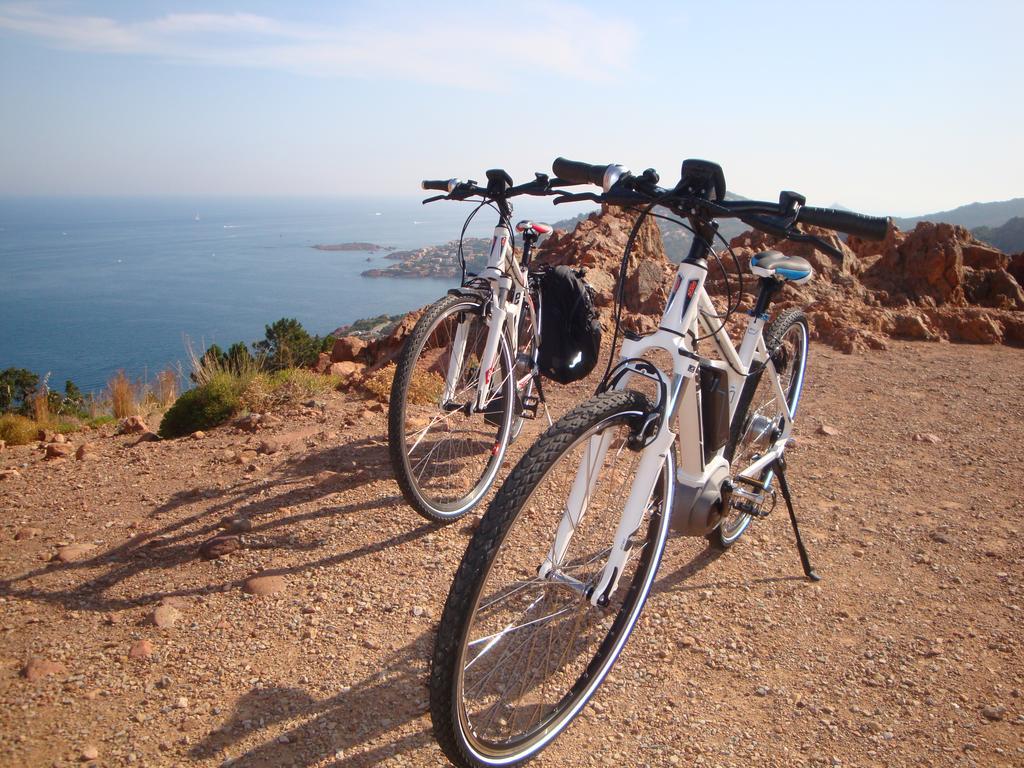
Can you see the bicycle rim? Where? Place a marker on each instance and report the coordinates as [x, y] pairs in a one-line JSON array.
[[451, 454], [791, 365]]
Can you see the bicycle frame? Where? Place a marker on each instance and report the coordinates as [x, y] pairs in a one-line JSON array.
[[678, 415], [509, 285]]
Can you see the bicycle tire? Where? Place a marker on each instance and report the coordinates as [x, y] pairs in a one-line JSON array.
[[732, 527], [453, 729], [489, 437]]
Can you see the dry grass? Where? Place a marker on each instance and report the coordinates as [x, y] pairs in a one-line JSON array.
[[123, 396], [424, 388], [266, 391], [41, 406], [205, 369], [165, 389], [17, 430]]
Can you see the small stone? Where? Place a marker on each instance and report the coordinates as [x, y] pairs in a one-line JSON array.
[[86, 452], [249, 423], [283, 739], [236, 524], [73, 552], [827, 430], [264, 585], [761, 690], [268, 447], [37, 668], [940, 537], [27, 532], [165, 616], [89, 753], [993, 712], [58, 451], [927, 437], [181, 703], [688, 641], [141, 649], [164, 682], [219, 546], [147, 437], [198, 434], [59, 438], [9, 474], [132, 425], [417, 610]]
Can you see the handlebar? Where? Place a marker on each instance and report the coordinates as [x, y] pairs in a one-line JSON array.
[[868, 227], [463, 190], [446, 185], [575, 172], [778, 219]]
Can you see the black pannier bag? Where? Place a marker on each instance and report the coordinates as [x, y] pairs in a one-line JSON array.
[[570, 332]]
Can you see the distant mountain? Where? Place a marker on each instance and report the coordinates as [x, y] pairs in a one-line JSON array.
[[971, 216], [1008, 238]]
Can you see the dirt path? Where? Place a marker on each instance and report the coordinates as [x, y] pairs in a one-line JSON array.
[[907, 653]]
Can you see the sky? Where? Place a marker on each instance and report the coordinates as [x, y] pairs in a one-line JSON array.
[[887, 108]]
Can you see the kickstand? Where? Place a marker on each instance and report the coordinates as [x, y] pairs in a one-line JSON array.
[[780, 471], [543, 401]]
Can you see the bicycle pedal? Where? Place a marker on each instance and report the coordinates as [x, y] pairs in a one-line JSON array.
[[754, 510], [529, 406]]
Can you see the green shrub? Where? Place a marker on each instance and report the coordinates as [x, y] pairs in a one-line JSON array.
[[204, 407], [17, 430]]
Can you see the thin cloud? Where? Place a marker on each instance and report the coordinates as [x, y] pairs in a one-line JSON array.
[[478, 49]]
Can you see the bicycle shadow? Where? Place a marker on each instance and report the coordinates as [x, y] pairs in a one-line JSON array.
[[707, 556], [334, 728], [305, 478]]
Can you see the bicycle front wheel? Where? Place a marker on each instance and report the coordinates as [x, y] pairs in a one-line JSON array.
[[445, 451], [787, 339], [519, 655]]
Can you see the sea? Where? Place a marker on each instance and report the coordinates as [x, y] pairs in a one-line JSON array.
[[90, 286]]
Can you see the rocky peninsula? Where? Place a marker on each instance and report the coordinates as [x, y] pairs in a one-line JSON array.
[[361, 247], [436, 260]]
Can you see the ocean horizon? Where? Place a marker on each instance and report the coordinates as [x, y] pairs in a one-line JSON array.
[[94, 285]]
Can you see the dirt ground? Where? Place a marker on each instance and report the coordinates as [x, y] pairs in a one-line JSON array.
[[907, 653]]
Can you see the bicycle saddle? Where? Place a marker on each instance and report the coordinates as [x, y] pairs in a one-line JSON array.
[[533, 227], [774, 263]]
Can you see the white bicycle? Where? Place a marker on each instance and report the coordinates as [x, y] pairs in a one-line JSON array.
[[467, 375], [554, 579]]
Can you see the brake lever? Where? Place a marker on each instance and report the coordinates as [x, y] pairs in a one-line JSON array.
[[817, 242], [434, 199], [565, 197]]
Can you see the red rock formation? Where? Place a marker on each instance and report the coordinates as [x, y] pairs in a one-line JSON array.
[[597, 244], [935, 283]]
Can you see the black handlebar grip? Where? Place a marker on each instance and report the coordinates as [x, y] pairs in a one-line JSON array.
[[438, 185], [576, 172], [868, 227]]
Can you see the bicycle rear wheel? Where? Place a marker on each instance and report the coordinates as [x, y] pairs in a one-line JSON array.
[[517, 655], [787, 340], [444, 451]]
